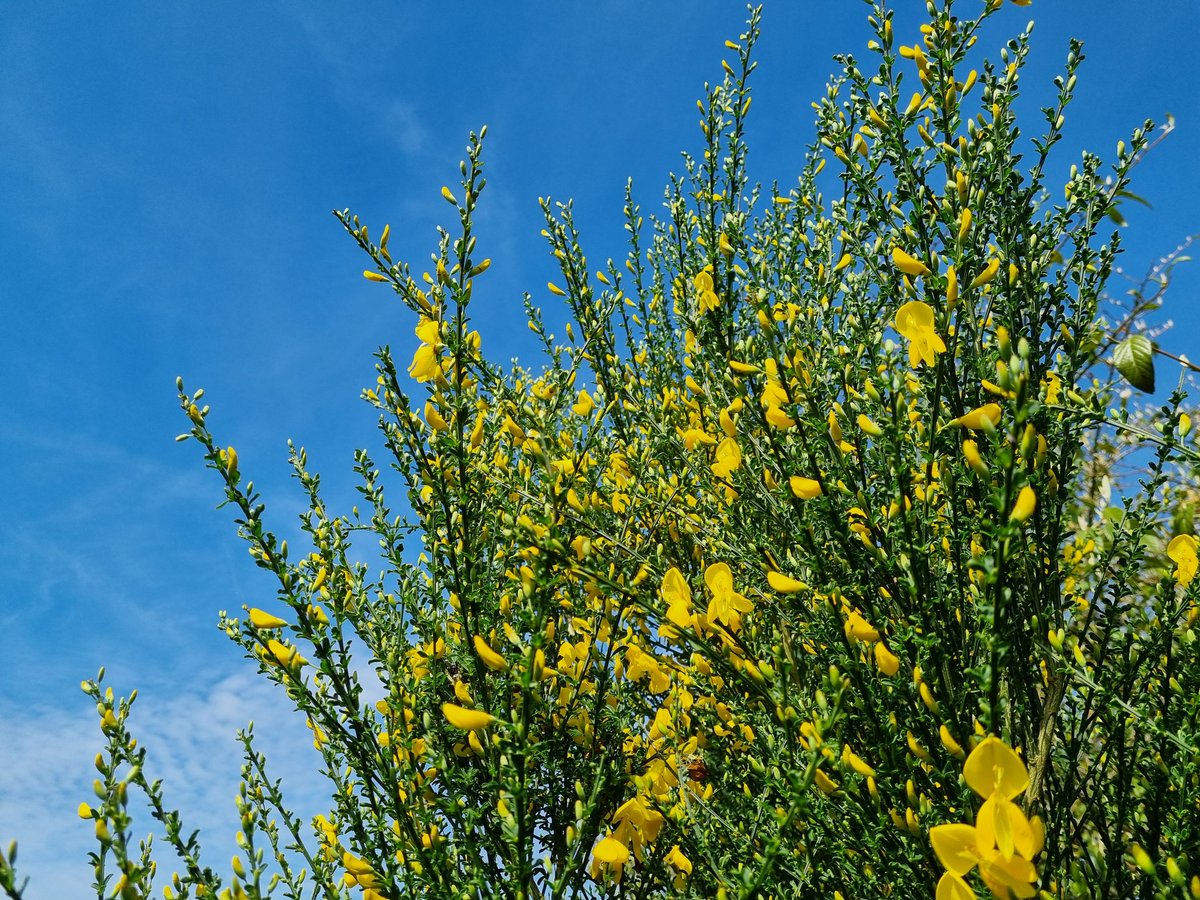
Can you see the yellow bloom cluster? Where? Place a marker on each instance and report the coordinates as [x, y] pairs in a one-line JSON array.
[[1003, 842]]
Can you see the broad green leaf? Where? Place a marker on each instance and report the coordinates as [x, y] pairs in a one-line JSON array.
[[1134, 359]]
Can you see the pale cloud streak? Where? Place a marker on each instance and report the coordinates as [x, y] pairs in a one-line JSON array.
[[47, 752]]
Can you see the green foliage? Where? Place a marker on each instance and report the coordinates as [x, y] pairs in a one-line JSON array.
[[720, 597]]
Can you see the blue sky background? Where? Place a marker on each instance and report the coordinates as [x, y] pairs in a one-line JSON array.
[[168, 172]]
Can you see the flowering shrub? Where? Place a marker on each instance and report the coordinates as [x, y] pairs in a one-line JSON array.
[[794, 560]]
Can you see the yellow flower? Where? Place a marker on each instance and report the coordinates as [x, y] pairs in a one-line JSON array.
[[425, 364], [914, 320], [680, 863], [825, 783], [678, 595], [804, 488], [974, 460], [1025, 505], [285, 655], [490, 657], [866, 425], [727, 605], [886, 660], [988, 273], [983, 418], [907, 264], [584, 405], [856, 762], [705, 292], [466, 719], [695, 436], [783, 584], [729, 458], [859, 629], [961, 847], [1182, 550], [265, 620], [779, 419], [609, 853]]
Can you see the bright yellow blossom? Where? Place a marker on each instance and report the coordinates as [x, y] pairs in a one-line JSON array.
[[914, 320], [727, 605], [1182, 551], [264, 620], [804, 488], [466, 719], [983, 418], [909, 265]]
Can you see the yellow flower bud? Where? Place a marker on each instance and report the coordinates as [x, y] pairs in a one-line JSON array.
[[886, 660], [466, 719], [988, 273], [264, 620], [804, 488], [907, 264], [1025, 505], [783, 584]]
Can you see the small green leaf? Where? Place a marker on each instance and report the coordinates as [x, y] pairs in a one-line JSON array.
[[1134, 359], [1129, 195]]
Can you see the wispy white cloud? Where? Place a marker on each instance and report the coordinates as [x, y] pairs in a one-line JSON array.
[[46, 755]]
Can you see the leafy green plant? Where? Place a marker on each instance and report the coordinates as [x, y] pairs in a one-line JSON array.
[[794, 553]]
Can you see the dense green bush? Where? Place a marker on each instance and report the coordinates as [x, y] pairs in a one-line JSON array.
[[753, 584]]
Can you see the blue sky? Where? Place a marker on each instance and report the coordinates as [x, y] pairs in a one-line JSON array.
[[168, 173]]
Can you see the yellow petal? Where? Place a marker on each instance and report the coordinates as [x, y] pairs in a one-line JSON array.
[[952, 887], [859, 629], [743, 368], [825, 783], [264, 620], [804, 488], [490, 657], [995, 825], [856, 762], [1011, 877], [584, 405], [994, 768], [974, 460], [1025, 505], [466, 719], [988, 273], [982, 418], [869, 427], [610, 852], [675, 588], [779, 419], [719, 579], [907, 264], [886, 660], [913, 317], [783, 584], [955, 847]]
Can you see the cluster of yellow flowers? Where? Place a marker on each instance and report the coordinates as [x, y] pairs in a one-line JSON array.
[[1003, 843]]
